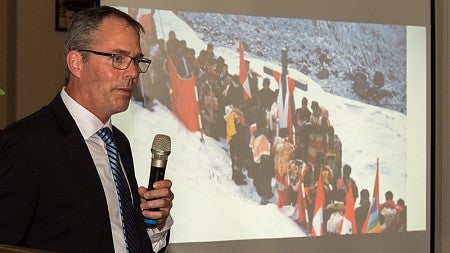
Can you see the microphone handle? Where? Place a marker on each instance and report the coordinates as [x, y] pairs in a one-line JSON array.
[[156, 174]]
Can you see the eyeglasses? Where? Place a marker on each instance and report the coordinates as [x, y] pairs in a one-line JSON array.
[[122, 61]]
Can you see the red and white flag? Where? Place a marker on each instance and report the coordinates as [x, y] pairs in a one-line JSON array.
[[285, 101], [349, 223], [243, 76], [317, 220]]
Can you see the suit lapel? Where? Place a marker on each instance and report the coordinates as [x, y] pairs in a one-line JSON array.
[[80, 157]]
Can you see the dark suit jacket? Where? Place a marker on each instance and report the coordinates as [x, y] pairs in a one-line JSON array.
[[51, 196]]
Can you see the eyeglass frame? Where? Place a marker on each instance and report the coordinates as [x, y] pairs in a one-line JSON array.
[[136, 60]]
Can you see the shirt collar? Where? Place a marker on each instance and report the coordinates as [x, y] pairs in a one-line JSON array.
[[86, 121]]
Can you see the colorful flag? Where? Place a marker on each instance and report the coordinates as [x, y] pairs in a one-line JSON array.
[[349, 223], [317, 220], [243, 76], [184, 98], [372, 222]]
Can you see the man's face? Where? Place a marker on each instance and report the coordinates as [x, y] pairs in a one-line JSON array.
[[315, 109], [210, 50], [104, 89]]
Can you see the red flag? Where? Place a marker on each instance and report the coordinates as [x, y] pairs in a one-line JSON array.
[[372, 222], [301, 196], [243, 77], [301, 205], [349, 223], [147, 22], [184, 98], [317, 220]]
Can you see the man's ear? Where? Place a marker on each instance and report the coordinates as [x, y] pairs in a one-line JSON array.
[[74, 62]]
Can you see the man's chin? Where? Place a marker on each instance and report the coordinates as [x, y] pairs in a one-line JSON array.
[[123, 106]]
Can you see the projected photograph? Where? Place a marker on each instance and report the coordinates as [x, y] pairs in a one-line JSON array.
[[280, 127]]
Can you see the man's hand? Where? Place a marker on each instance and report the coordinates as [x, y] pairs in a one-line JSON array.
[[159, 198]]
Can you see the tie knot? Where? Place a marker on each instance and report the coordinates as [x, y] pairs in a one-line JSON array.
[[106, 135]]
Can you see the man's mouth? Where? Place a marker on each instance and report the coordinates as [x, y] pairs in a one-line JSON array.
[[126, 90]]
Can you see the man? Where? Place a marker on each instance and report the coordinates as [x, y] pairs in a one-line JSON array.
[[211, 58], [389, 217], [252, 79], [260, 143], [235, 135], [334, 213], [301, 124], [266, 97], [172, 44], [282, 153], [362, 209], [333, 154], [185, 62], [319, 123], [57, 182], [345, 180]]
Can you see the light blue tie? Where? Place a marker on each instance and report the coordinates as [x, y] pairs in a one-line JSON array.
[[123, 192]]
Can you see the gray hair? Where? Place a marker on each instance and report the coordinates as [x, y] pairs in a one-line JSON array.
[[85, 23]]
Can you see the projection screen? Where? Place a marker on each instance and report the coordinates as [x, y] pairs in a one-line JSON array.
[[366, 64]]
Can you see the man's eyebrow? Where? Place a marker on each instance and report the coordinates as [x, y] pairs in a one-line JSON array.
[[121, 51], [125, 52]]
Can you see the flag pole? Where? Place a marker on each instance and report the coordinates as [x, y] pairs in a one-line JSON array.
[[293, 136], [378, 193], [162, 26], [308, 227], [200, 125]]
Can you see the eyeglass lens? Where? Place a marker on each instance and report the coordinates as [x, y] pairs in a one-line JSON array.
[[123, 62]]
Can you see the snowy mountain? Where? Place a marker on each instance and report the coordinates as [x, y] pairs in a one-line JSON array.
[[329, 52], [208, 206]]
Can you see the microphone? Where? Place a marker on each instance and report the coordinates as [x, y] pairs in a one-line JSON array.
[[160, 152]]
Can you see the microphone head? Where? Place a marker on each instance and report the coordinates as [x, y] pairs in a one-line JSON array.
[[161, 145]]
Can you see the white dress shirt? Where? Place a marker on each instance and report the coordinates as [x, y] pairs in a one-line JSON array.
[[88, 125]]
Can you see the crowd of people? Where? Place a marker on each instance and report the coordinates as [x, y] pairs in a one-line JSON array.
[[262, 151]]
